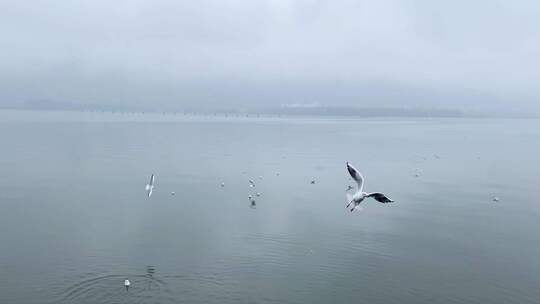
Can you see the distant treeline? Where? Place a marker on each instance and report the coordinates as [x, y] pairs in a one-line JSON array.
[[55, 105], [278, 111], [366, 112]]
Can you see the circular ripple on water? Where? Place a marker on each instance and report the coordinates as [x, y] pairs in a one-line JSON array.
[[110, 289]]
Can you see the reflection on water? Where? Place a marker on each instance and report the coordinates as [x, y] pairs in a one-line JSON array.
[[76, 223], [150, 270]]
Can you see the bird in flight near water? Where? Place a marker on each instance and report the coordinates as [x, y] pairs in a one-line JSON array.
[[360, 195]]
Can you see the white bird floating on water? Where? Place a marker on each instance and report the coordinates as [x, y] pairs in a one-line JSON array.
[[127, 284], [150, 186], [257, 194], [360, 195], [251, 184], [173, 193], [222, 185], [495, 199]]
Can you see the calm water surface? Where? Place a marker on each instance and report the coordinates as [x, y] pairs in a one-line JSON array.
[[75, 221]]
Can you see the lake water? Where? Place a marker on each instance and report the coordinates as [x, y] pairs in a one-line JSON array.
[[75, 220]]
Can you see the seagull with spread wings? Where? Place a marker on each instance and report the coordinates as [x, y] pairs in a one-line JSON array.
[[150, 186], [360, 195]]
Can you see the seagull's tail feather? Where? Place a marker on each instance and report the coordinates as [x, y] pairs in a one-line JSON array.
[[349, 199], [357, 208]]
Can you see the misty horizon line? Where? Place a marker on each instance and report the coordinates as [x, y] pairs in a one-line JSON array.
[[293, 109]]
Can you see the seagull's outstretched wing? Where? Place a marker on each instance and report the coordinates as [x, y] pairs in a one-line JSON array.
[[380, 197], [356, 175], [151, 180]]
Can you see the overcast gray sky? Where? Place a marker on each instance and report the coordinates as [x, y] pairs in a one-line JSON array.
[[221, 53]]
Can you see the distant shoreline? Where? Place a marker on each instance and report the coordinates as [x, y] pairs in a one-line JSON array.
[[331, 113], [292, 110]]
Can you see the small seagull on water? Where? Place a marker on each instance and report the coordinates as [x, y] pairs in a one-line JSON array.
[[360, 195], [257, 194], [251, 184], [150, 186], [495, 199], [312, 182], [251, 200], [173, 193], [222, 185], [127, 284]]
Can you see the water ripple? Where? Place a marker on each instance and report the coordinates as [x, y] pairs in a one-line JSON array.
[[109, 288]]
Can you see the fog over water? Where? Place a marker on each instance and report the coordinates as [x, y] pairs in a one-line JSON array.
[[198, 149], [209, 54]]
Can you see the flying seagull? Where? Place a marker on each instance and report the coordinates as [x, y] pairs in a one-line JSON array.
[[150, 186], [360, 195]]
